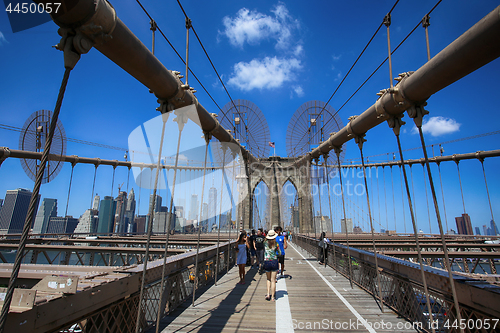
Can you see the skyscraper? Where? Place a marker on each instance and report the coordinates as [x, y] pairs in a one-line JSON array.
[[212, 207], [130, 209], [343, 225], [62, 225], [194, 208], [478, 231], [47, 210], [494, 228], [106, 215], [95, 205], [464, 224], [157, 203], [15, 209], [121, 205], [87, 223]]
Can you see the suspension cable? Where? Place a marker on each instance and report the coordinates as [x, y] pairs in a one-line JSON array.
[[93, 187], [69, 189], [396, 129], [427, 200], [224, 150], [338, 151], [418, 122], [150, 227], [360, 140], [325, 158], [195, 282], [460, 182], [233, 213], [181, 121], [442, 195], [488, 193], [385, 201], [402, 197], [320, 215], [393, 200], [36, 190]]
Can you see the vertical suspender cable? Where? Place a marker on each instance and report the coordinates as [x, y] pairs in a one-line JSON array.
[[113, 180], [140, 190], [413, 192], [402, 195], [224, 150], [230, 224], [425, 24], [309, 178], [320, 214], [442, 195], [150, 227], [69, 189], [393, 200], [427, 200], [387, 22], [93, 187], [338, 151], [181, 121], [488, 193], [36, 189], [196, 275], [385, 199], [460, 182], [415, 231], [378, 200], [325, 158], [418, 121], [360, 140]]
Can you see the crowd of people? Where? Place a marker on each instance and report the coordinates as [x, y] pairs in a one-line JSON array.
[[263, 250]]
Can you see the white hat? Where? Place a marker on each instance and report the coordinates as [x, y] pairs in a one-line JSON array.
[[271, 235]]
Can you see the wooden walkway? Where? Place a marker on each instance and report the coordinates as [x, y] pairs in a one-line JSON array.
[[310, 298]]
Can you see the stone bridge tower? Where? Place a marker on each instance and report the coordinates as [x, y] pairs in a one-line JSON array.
[[275, 172]]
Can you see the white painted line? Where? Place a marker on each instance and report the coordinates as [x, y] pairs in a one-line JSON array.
[[283, 314], [339, 295]]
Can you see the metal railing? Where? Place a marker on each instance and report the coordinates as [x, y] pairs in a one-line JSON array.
[[404, 294]]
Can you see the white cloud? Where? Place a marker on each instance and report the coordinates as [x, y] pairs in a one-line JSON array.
[[2, 39], [252, 27], [336, 57], [437, 126], [299, 49], [298, 90], [266, 73]]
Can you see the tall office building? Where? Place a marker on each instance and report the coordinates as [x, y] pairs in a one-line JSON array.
[[15, 209], [212, 208], [494, 228], [464, 224], [87, 223], [348, 224], [97, 200], [121, 205], [62, 225], [47, 210], [478, 231], [157, 203], [194, 208], [130, 210], [1, 203], [106, 215]]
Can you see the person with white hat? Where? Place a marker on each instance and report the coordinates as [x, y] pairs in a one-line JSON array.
[[270, 264]]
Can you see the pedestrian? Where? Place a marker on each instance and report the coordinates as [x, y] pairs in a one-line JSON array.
[[241, 259], [271, 263], [251, 243], [283, 244], [259, 248], [323, 249]]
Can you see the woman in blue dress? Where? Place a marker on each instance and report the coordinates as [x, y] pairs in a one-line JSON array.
[[241, 259]]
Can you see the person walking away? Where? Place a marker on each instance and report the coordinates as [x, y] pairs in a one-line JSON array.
[[258, 244], [323, 249], [282, 243], [251, 241], [270, 264], [241, 259]]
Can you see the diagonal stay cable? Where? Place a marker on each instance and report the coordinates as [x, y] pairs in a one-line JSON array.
[[217, 73], [383, 62], [350, 69], [180, 57]]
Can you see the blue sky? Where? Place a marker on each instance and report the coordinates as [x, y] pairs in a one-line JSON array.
[[278, 55]]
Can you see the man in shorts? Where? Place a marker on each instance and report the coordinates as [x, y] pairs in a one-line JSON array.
[[259, 248], [282, 243]]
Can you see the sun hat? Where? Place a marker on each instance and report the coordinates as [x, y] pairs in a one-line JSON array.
[[271, 235]]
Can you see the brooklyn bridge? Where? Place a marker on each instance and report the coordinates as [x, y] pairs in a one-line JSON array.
[[382, 238]]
